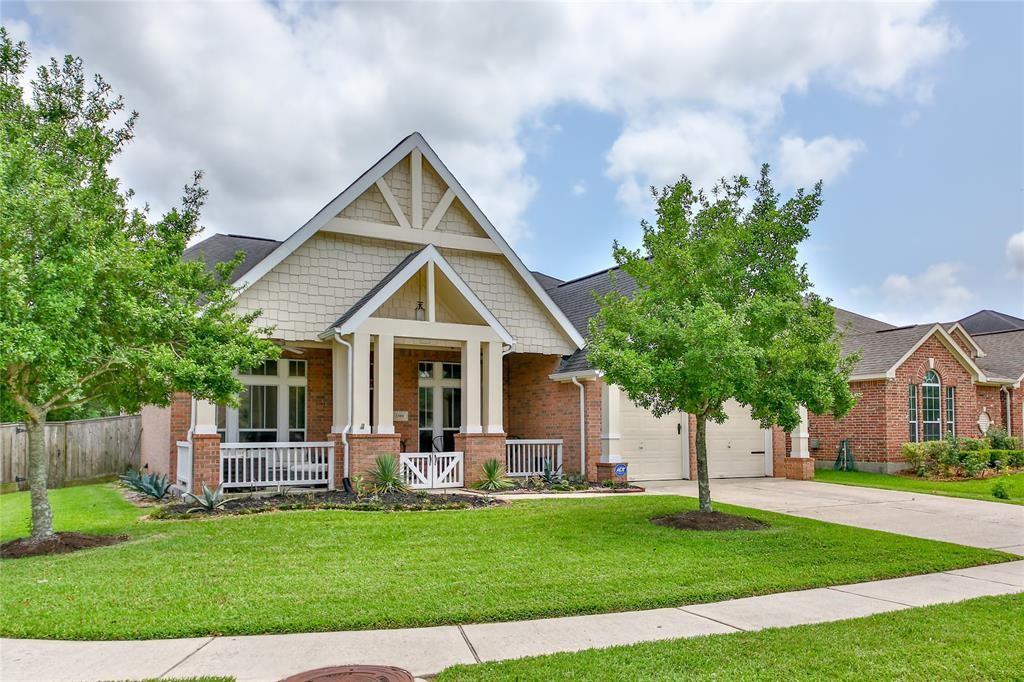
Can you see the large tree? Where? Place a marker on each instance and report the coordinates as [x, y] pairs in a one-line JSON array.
[[96, 302], [723, 310]]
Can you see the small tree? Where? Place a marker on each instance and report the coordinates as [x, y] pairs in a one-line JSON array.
[[723, 310], [96, 302]]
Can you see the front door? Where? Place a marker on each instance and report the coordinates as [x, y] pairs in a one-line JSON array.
[[440, 405]]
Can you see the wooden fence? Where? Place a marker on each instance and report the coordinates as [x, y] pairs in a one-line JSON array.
[[78, 450]]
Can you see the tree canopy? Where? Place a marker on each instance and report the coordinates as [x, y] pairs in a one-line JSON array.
[[723, 310]]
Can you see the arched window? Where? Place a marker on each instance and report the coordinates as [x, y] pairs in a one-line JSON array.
[[931, 413]]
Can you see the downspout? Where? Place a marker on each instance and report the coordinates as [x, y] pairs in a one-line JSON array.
[[583, 427], [346, 483], [1009, 410]]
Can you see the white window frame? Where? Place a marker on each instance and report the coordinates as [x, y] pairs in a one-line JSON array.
[[283, 382], [950, 411], [940, 417], [912, 416]]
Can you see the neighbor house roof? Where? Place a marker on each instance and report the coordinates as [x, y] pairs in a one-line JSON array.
[[221, 248], [1004, 354], [988, 321], [546, 281]]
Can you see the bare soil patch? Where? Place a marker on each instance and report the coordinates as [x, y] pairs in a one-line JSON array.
[[696, 520], [58, 543]]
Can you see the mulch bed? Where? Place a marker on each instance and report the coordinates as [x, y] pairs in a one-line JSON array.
[[697, 520], [58, 543], [330, 499]]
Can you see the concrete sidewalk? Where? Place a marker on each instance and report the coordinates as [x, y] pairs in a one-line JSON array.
[[426, 651]]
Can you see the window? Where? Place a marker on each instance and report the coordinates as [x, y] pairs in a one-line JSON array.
[[912, 411], [271, 408], [451, 370], [931, 413], [951, 410]]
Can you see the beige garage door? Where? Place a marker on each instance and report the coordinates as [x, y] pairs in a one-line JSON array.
[[652, 447], [736, 449]]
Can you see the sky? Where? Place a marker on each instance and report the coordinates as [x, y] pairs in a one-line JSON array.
[[557, 118]]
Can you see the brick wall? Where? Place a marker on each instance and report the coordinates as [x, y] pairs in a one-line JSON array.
[[181, 418], [319, 392], [477, 448], [406, 389]]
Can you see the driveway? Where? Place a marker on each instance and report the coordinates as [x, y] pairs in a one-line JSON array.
[[966, 522]]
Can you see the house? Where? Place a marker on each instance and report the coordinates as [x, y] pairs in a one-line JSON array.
[[410, 328]]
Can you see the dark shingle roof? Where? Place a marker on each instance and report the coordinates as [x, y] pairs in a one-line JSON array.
[[221, 248], [990, 321], [852, 323], [882, 349], [376, 288], [1004, 354], [546, 282]]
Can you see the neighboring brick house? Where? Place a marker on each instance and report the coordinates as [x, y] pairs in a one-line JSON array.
[[409, 327]]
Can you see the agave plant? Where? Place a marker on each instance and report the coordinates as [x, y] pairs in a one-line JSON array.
[[551, 476], [494, 477], [386, 476], [131, 478], [152, 485], [210, 501]]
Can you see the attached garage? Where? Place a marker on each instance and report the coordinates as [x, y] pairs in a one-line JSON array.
[[658, 449]]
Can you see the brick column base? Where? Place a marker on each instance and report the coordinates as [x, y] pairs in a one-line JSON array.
[[477, 448], [799, 468], [205, 461], [606, 472], [363, 449]]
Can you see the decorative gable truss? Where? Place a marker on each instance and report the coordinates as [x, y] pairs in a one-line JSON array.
[[410, 197]]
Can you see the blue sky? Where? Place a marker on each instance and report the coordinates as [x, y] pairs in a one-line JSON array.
[[555, 117]]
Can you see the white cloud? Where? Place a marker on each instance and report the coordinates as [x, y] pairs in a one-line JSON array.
[[1015, 253], [934, 295], [803, 163], [579, 188], [285, 104]]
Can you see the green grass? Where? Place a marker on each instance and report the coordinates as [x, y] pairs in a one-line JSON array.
[[974, 489], [980, 639], [335, 570]]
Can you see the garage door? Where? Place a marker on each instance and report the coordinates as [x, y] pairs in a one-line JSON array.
[[653, 447], [736, 448]]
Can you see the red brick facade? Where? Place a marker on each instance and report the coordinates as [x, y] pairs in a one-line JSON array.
[[205, 461], [879, 423]]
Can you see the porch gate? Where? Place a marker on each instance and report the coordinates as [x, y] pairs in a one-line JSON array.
[[423, 470]]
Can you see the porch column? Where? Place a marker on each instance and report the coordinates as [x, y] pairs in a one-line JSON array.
[[611, 437], [800, 436], [339, 387], [206, 418], [383, 384], [205, 447], [360, 382], [471, 387], [492, 375]]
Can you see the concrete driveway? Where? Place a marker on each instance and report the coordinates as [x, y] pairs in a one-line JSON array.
[[966, 522]]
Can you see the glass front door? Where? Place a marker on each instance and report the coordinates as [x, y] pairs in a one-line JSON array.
[[440, 405]]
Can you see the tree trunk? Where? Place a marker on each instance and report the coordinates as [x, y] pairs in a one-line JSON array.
[[703, 487], [38, 471]]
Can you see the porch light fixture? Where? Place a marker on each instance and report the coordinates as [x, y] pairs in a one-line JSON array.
[[421, 314]]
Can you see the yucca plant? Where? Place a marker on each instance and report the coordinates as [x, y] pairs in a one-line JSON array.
[[210, 501], [386, 475], [494, 477]]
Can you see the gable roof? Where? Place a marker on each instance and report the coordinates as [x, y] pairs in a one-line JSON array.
[[546, 281], [854, 323], [990, 321], [369, 177], [885, 350], [1004, 354], [402, 273], [221, 248]]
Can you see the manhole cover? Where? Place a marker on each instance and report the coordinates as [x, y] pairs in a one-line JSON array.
[[353, 673]]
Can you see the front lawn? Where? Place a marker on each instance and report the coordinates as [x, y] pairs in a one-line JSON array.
[[974, 489], [334, 570], [979, 639]]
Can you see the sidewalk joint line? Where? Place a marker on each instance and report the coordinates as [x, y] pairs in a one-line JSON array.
[[187, 656], [713, 620], [974, 577], [472, 649], [890, 601]]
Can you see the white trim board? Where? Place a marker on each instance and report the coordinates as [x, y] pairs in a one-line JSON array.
[[414, 142]]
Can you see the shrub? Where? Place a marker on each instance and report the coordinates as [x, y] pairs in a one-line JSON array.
[[999, 490], [386, 475], [494, 477], [1000, 459], [210, 501], [999, 439]]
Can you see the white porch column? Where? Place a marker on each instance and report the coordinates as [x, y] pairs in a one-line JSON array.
[[206, 418], [492, 392], [611, 438], [360, 382], [384, 384], [800, 436], [471, 387], [339, 387]]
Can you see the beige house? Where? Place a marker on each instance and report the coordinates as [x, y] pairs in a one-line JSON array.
[[409, 327]]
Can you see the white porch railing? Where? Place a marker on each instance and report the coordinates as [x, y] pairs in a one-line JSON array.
[[252, 465], [528, 457], [424, 470], [184, 469]]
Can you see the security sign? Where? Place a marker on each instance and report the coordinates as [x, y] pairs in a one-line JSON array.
[[620, 469]]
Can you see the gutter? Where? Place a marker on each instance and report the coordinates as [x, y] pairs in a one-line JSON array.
[[346, 483]]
